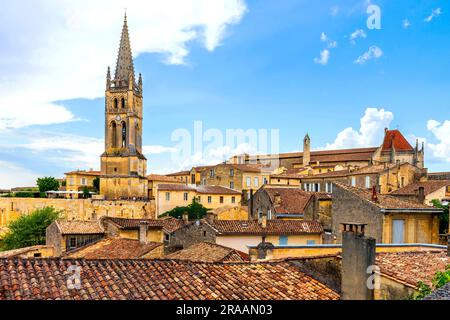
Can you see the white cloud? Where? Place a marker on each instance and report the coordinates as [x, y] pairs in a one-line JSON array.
[[374, 52], [357, 34], [12, 175], [406, 23], [323, 37], [155, 149], [441, 131], [434, 14], [370, 133], [60, 49], [324, 57], [334, 10]]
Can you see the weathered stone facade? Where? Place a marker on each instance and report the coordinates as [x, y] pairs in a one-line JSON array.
[[190, 234]]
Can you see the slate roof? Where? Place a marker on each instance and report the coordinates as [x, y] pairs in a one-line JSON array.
[[274, 227], [440, 294], [429, 187], [113, 248], [79, 227], [209, 252], [167, 224], [387, 201], [38, 279]]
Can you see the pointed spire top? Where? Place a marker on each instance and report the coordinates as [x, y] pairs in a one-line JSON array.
[[125, 65]]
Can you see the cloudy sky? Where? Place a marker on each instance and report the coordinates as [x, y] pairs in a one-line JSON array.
[[295, 66]]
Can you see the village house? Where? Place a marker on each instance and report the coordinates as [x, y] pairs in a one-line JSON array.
[[425, 192], [170, 196], [183, 176], [278, 202], [389, 219], [154, 180], [77, 181], [65, 236], [241, 234]]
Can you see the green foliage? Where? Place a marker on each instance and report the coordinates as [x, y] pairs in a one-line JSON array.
[[443, 218], [86, 193], [29, 230], [195, 211], [63, 183], [96, 183], [47, 184], [440, 279], [24, 194]]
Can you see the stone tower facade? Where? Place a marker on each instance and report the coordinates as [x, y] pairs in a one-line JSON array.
[[123, 166], [306, 150]]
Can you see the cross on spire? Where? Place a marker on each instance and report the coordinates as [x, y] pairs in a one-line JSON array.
[[125, 65]]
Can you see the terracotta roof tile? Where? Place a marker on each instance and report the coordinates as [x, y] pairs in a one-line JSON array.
[[385, 201], [113, 248], [429, 187], [167, 224], [162, 178], [274, 227], [79, 227], [209, 252], [158, 280], [394, 138], [292, 200], [85, 173], [199, 189], [412, 267]]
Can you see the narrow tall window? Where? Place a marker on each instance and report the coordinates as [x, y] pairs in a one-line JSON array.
[[123, 103], [124, 135], [116, 103], [209, 199], [113, 135], [221, 199], [353, 181], [185, 196], [367, 182], [167, 196]]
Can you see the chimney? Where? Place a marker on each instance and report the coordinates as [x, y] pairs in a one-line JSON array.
[[277, 199], [264, 221], [421, 195], [143, 227], [185, 216], [210, 217], [374, 194], [265, 250], [358, 256]]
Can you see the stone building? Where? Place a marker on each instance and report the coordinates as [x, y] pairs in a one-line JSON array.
[[388, 219], [425, 192], [123, 165], [76, 181]]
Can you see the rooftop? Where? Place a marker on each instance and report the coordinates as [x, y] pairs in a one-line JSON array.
[[38, 279], [113, 248], [273, 227], [291, 200], [167, 224], [386, 201], [162, 178], [429, 187], [79, 227], [394, 138], [84, 173], [199, 189], [209, 252]]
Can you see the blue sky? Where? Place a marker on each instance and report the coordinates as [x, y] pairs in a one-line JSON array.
[[233, 64]]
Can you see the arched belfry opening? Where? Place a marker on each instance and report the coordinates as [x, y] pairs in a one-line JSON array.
[[113, 134], [116, 103], [124, 134], [123, 103]]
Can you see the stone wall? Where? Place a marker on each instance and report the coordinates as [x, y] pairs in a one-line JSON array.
[[188, 235], [76, 209]]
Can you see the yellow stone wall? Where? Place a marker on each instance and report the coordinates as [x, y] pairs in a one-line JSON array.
[[231, 213], [128, 187], [74, 182], [153, 235], [419, 228], [76, 209]]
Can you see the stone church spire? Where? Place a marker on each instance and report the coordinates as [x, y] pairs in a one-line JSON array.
[[125, 66]]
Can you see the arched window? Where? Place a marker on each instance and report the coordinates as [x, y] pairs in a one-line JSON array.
[[116, 103], [124, 135], [113, 132], [123, 103]]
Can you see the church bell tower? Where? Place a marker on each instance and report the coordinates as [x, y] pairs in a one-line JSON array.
[[123, 166]]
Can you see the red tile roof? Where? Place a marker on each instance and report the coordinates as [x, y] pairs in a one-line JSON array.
[[209, 252], [47, 279], [394, 138], [158, 177], [274, 227], [167, 224], [113, 248], [85, 173], [292, 200], [429, 187], [386, 201], [181, 173], [79, 227], [412, 267]]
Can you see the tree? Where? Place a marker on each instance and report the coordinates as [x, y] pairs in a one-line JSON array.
[[96, 183], [86, 193], [195, 211], [47, 184], [29, 230], [443, 218]]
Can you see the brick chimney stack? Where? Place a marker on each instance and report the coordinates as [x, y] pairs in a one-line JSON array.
[[421, 195], [264, 221], [143, 227], [358, 254], [374, 194]]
